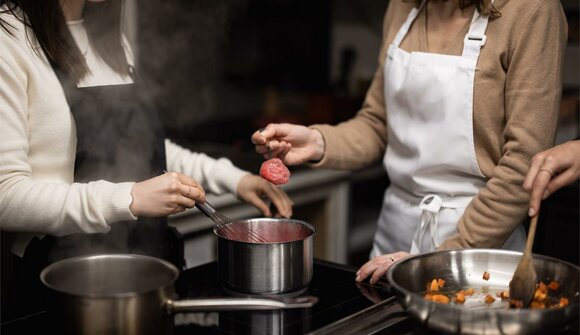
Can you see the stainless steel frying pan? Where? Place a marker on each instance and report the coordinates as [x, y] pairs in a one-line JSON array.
[[464, 269]]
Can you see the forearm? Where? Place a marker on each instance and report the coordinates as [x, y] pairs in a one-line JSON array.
[[217, 176]]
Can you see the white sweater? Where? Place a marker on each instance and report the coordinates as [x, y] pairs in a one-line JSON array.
[[37, 152]]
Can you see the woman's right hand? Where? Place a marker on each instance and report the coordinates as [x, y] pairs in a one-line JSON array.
[[293, 144], [551, 170], [166, 194]]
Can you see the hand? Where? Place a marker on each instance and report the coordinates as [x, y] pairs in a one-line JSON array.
[[252, 188], [551, 170], [378, 266], [293, 144], [166, 194]]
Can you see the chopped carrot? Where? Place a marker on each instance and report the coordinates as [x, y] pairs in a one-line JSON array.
[[485, 275], [489, 299], [459, 298], [553, 285], [434, 285], [469, 291], [504, 294], [542, 287]]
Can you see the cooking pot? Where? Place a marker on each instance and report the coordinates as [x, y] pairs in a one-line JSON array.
[[130, 294], [463, 269], [282, 266]]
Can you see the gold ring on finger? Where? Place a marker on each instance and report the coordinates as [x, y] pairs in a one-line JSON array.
[[548, 170]]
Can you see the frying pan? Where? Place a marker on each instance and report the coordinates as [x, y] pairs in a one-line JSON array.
[[463, 269]]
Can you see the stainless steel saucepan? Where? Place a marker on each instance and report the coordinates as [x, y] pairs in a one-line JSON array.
[[282, 266], [130, 294], [463, 269]]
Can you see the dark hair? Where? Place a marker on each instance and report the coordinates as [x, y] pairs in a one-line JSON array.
[[103, 24], [485, 7]]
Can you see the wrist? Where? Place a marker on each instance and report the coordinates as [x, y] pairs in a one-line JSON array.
[[132, 209], [318, 147]]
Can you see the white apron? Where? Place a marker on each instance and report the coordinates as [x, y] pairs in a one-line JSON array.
[[430, 156]]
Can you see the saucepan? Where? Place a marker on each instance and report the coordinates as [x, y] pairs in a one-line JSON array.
[[130, 294], [281, 264], [464, 269]]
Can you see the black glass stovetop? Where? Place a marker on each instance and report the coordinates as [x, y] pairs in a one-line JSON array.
[[339, 298], [343, 307]]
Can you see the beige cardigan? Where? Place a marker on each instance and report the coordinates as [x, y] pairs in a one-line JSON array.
[[517, 92]]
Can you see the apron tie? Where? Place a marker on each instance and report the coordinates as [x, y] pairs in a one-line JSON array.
[[430, 206]]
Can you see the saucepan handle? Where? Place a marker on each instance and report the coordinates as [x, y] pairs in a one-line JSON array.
[[237, 304]]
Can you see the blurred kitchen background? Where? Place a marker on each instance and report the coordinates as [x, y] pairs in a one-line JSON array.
[[223, 69]]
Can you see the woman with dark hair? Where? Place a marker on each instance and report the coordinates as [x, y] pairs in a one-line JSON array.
[[466, 92], [83, 154]]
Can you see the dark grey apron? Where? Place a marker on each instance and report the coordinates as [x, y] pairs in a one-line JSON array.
[[120, 138]]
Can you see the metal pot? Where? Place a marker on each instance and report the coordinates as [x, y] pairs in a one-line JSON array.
[[130, 294], [282, 266], [463, 269]]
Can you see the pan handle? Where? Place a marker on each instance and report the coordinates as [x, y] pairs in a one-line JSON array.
[[237, 304]]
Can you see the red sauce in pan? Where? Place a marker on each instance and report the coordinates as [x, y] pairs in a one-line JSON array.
[[265, 231]]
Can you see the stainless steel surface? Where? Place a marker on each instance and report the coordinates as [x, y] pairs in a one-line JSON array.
[[523, 283], [282, 267], [368, 321], [236, 304], [224, 224], [130, 294], [464, 269]]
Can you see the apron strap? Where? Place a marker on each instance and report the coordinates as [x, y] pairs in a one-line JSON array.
[[473, 41], [405, 27], [475, 38]]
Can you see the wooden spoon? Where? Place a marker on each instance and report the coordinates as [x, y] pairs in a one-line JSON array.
[[523, 283]]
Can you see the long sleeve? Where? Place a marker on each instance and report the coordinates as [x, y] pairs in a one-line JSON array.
[[532, 64], [37, 150], [217, 176]]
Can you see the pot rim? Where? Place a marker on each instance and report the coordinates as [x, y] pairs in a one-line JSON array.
[[294, 221], [65, 262]]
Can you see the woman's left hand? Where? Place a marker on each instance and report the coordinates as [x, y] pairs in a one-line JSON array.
[[252, 188], [378, 266]]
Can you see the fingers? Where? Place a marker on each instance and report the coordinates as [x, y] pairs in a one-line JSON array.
[[281, 201], [376, 268], [190, 188], [255, 200], [252, 188], [539, 188], [264, 135], [538, 178]]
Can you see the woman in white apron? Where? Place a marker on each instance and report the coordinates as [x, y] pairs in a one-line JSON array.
[[420, 115]]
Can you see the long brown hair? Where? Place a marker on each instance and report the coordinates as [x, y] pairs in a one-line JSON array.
[[485, 7], [103, 24]]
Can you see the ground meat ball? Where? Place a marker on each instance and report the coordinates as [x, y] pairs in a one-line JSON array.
[[275, 171]]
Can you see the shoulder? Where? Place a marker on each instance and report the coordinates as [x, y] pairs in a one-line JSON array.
[[13, 28], [522, 12], [527, 22], [17, 41]]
